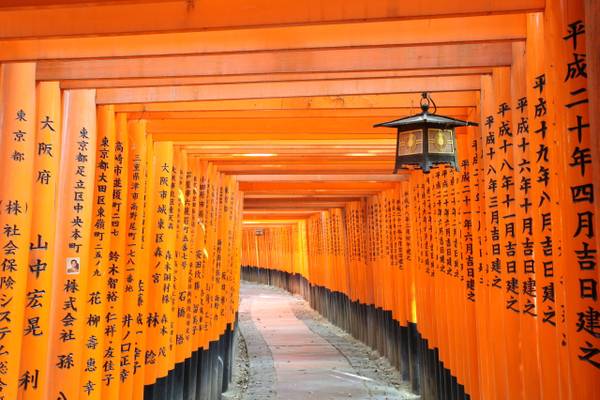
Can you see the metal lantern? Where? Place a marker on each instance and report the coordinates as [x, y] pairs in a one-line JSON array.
[[426, 139]]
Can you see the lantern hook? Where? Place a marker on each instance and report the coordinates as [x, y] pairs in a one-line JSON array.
[[426, 100]]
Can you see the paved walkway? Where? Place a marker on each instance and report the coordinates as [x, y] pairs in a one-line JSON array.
[[289, 361]]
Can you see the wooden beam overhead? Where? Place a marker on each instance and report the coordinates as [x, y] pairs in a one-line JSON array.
[[276, 220], [342, 113], [322, 178], [183, 15], [317, 153], [249, 216], [484, 28], [278, 161], [239, 170], [404, 100], [268, 125], [335, 185], [240, 153], [289, 142], [254, 217], [269, 78], [266, 214], [293, 203], [259, 216], [208, 137], [274, 195], [254, 214], [313, 192], [295, 206], [252, 225], [290, 160], [287, 89], [278, 197], [285, 61]]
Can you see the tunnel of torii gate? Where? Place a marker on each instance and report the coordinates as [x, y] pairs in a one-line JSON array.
[[154, 153]]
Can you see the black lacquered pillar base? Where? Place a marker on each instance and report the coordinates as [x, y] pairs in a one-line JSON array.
[[203, 376]]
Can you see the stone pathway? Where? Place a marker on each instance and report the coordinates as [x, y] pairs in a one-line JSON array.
[[290, 361]]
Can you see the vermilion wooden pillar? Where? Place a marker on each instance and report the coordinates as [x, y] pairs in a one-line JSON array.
[[491, 384], [159, 288], [469, 148], [116, 368], [527, 336], [74, 212], [17, 146], [135, 303], [577, 267], [34, 350], [592, 16], [541, 134]]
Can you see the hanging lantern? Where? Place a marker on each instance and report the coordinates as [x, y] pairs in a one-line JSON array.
[[426, 139]]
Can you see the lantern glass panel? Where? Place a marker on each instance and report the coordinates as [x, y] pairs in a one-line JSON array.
[[441, 141], [410, 142]]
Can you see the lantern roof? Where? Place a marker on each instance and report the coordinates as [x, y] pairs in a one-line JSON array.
[[426, 118]]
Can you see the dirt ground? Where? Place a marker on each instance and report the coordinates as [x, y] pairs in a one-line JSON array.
[[239, 384], [255, 373]]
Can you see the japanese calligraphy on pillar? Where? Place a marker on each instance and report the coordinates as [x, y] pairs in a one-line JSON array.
[[115, 369], [537, 189], [73, 244], [491, 199], [134, 281], [506, 323], [525, 277], [99, 254], [506, 246], [188, 257], [468, 177], [41, 248], [583, 314], [195, 256], [493, 114], [538, 186], [181, 258], [158, 320]]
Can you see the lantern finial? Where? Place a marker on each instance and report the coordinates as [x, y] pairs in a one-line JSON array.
[[425, 102]]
